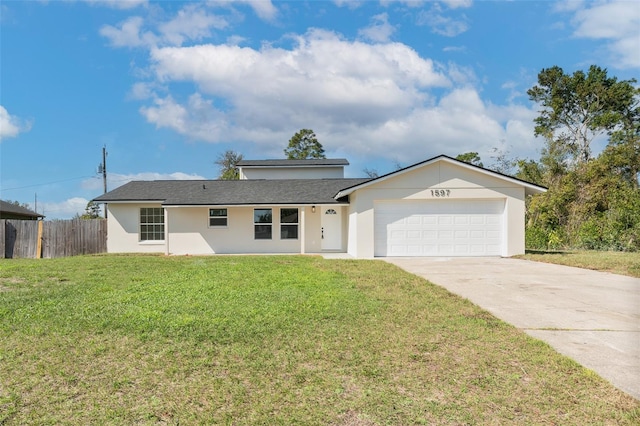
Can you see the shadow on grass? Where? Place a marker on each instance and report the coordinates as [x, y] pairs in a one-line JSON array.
[[555, 252]]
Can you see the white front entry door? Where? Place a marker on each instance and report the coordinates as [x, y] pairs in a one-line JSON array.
[[331, 228]]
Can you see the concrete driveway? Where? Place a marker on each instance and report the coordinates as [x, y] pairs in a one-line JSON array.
[[592, 317]]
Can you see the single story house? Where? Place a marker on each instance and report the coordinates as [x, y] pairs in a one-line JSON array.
[[437, 207], [14, 211]]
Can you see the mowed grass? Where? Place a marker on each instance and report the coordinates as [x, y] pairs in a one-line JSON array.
[[271, 340], [624, 263]]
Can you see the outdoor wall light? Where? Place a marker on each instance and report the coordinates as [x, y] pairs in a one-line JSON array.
[[313, 209]]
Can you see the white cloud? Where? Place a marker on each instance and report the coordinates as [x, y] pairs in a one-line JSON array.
[[386, 107], [380, 29], [64, 209], [321, 78], [320, 83], [198, 118], [568, 5], [10, 125], [454, 49], [191, 23], [459, 122], [115, 180], [461, 75], [351, 4], [235, 40], [618, 23], [458, 4], [118, 4], [440, 23], [141, 91], [263, 8], [128, 33]]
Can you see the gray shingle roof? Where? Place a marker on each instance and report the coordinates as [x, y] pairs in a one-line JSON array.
[[231, 192], [7, 207], [294, 163]]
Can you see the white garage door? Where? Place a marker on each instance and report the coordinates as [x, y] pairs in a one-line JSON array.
[[439, 228]]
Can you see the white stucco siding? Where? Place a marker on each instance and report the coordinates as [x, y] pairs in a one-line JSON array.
[[190, 233], [292, 173], [352, 236], [123, 222], [426, 183]]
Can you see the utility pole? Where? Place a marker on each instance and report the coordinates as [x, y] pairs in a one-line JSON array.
[[102, 168]]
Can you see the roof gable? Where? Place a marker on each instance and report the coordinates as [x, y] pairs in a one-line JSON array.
[[529, 187]]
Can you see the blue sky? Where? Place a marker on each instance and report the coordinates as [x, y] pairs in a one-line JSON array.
[[168, 86]]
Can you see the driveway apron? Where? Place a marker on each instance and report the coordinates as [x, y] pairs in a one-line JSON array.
[[592, 317]]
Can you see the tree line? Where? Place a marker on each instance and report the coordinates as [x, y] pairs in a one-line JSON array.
[[592, 202]]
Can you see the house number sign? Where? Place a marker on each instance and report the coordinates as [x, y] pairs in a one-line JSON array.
[[440, 193]]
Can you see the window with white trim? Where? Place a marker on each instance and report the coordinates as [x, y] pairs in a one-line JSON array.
[[217, 218], [151, 224], [262, 220], [288, 224]]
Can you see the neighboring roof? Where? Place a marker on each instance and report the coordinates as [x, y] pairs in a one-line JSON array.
[[530, 188], [231, 192], [13, 209], [294, 163]]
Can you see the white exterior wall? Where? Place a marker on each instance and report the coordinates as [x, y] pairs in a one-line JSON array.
[[188, 231], [417, 185], [308, 172], [123, 224]]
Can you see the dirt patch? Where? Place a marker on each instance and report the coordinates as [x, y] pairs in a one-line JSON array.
[[351, 418], [9, 280]]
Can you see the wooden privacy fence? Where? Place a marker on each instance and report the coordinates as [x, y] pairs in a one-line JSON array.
[[48, 239]]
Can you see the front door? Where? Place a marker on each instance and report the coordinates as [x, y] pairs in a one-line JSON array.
[[331, 228]]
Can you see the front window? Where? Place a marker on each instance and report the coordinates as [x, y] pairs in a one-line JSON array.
[[217, 217], [289, 224], [262, 219], [151, 224]]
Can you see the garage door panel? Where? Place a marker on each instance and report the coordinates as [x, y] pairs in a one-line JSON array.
[[493, 234], [429, 220], [439, 228], [461, 234], [476, 233], [446, 249], [445, 220], [461, 220], [414, 220], [445, 234], [476, 249], [492, 220], [414, 234], [476, 220]]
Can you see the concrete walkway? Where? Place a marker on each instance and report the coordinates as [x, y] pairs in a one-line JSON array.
[[592, 317]]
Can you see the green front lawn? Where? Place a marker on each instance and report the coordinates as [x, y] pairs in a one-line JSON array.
[[624, 263], [271, 340]]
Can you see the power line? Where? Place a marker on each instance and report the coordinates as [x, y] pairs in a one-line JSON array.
[[47, 183]]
